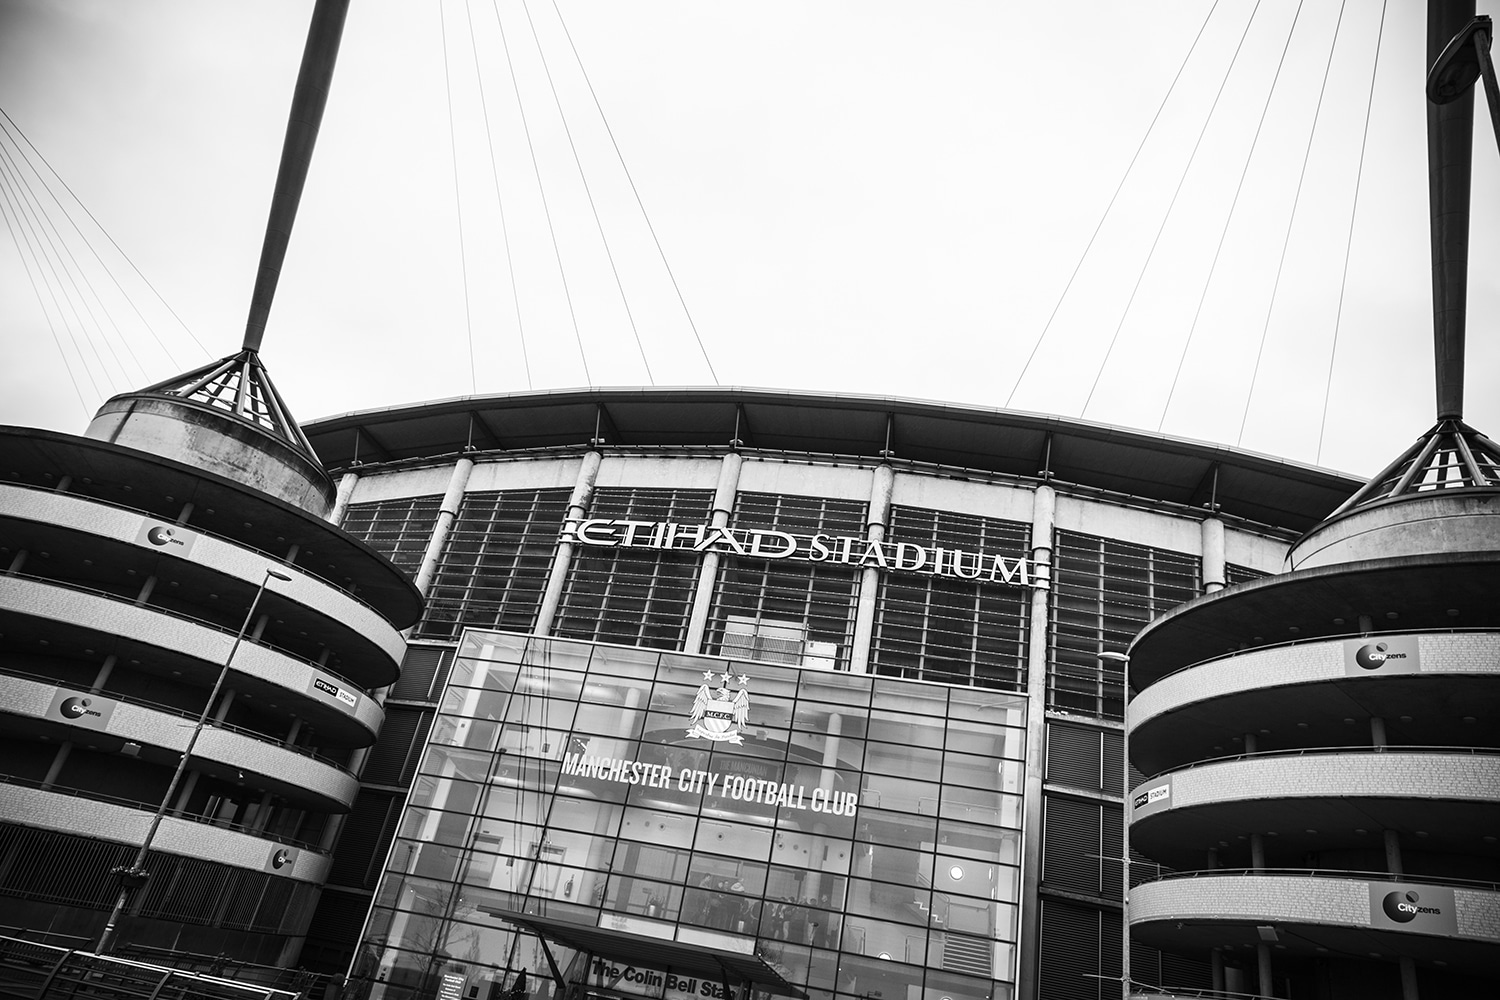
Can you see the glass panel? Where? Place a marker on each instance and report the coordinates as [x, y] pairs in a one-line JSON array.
[[924, 699], [657, 826], [480, 673], [922, 763], [906, 729], [973, 805], [457, 731], [798, 849], [489, 646], [890, 978]]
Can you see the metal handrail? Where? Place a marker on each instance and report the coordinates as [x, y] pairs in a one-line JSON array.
[[1338, 873], [242, 546], [156, 706], [1313, 751], [158, 609], [1140, 989], [32, 970], [92, 796], [1306, 640]]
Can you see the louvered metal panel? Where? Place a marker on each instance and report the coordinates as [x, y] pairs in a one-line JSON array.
[[1073, 755]]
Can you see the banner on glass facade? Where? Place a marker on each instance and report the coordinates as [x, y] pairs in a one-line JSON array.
[[765, 543], [730, 787]]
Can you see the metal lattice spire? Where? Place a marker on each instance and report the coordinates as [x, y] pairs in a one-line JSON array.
[[239, 385], [1452, 455]]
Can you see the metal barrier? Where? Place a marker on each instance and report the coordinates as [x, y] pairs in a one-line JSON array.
[[31, 971]]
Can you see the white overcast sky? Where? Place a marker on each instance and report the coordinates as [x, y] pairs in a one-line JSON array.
[[882, 198]]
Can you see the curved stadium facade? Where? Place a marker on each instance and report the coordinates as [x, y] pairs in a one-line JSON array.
[[814, 693]]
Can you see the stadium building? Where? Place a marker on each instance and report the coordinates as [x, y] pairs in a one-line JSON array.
[[815, 694]]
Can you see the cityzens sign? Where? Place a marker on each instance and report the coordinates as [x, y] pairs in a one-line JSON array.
[[767, 543], [1426, 909]]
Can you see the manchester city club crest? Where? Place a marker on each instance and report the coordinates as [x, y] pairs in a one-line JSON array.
[[720, 715]]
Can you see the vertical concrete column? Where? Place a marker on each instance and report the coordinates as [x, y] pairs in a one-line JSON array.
[[1043, 519], [102, 677], [1264, 982], [812, 882], [447, 514], [578, 505], [188, 784], [1262, 950], [341, 498], [1408, 978], [58, 760], [1214, 573], [708, 572], [1377, 731], [882, 483], [1393, 852]]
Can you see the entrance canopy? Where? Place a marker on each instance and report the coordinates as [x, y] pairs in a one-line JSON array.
[[713, 964]]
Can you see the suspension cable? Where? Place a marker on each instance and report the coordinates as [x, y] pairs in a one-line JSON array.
[[5, 210], [1112, 198], [588, 193], [1290, 222], [489, 140], [1349, 240], [121, 252], [29, 228], [1228, 220], [634, 191], [463, 257], [71, 268], [1187, 167], [542, 188]]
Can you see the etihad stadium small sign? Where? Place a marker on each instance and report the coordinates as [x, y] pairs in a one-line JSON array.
[[767, 543]]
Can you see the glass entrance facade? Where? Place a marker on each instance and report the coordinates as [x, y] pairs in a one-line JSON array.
[[859, 834]]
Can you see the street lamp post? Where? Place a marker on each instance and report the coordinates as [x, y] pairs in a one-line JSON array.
[[135, 876]]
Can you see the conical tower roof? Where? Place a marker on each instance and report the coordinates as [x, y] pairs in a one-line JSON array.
[[1450, 456], [239, 385]]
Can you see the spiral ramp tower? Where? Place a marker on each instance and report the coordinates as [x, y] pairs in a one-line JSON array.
[[190, 652], [133, 555], [1318, 753]]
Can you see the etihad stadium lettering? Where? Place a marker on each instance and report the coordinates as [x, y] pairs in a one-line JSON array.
[[766, 543]]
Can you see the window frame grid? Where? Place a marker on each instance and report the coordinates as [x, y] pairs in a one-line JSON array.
[[1095, 609], [467, 572], [952, 530], [668, 578]]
